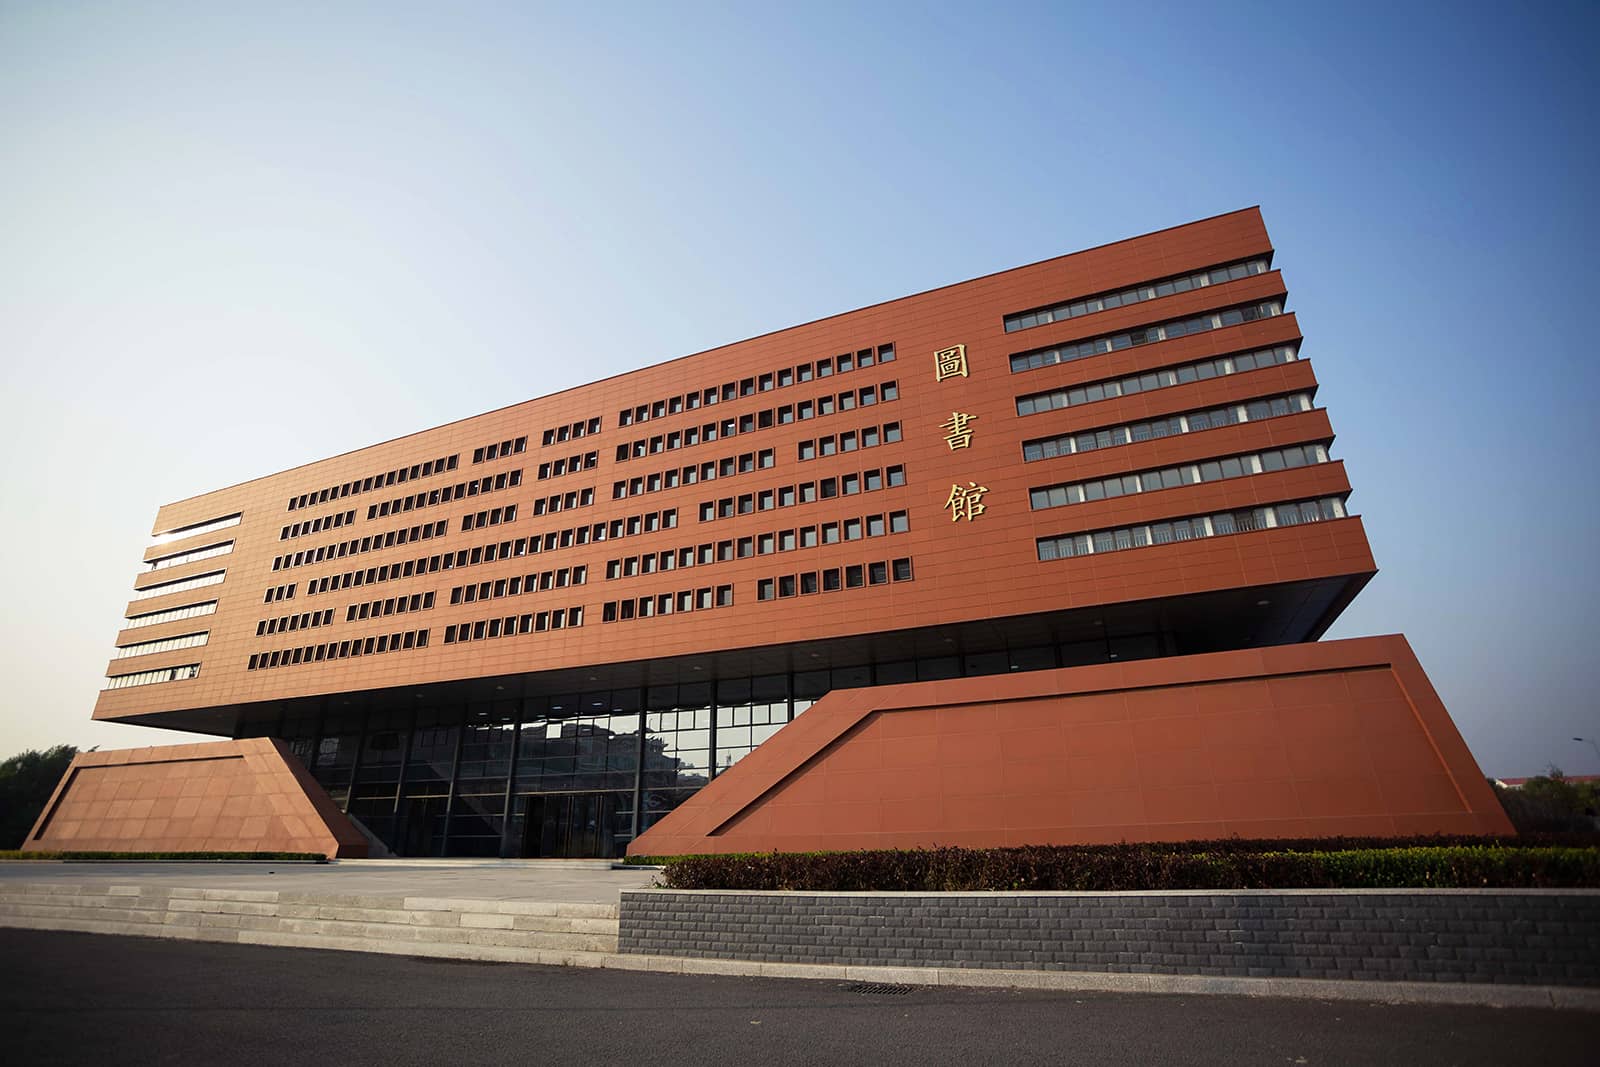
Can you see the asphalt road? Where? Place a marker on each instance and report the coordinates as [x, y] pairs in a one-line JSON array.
[[88, 998]]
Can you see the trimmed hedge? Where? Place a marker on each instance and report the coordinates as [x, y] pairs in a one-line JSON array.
[[301, 857], [1352, 863]]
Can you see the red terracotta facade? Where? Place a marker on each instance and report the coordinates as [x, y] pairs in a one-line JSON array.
[[1337, 738], [787, 510], [226, 796]]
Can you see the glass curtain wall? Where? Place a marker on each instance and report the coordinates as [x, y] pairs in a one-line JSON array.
[[574, 787], [677, 748], [421, 815], [581, 774], [477, 811], [375, 788]]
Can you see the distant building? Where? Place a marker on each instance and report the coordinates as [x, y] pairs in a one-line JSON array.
[[1518, 783]]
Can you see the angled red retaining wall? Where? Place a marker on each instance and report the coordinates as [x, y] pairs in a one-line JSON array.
[[1312, 740], [225, 796]]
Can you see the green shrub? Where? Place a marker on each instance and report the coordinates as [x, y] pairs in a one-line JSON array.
[[1437, 862]]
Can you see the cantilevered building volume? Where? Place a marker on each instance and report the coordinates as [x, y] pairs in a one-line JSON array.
[[1038, 557]]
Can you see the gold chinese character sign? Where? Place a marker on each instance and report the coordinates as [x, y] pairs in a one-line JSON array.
[[966, 501], [956, 433], [950, 363]]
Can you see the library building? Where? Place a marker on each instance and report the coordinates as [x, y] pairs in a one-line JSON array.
[[1044, 557]]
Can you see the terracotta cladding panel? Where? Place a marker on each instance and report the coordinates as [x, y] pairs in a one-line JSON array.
[[1226, 239], [963, 570], [235, 796], [1336, 738]]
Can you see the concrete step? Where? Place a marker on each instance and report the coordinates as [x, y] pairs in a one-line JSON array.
[[528, 931]]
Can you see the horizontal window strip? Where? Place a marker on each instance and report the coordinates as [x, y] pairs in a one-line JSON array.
[[317, 525], [165, 674], [198, 581], [1165, 378], [1182, 283], [395, 605], [489, 483], [513, 625], [465, 557], [178, 559], [1147, 335], [358, 545], [645, 607], [489, 517], [306, 620], [560, 434], [499, 450], [693, 474], [728, 391], [764, 419], [165, 644], [358, 646], [398, 476], [1211, 470], [800, 537], [832, 579], [1168, 426], [1268, 517], [195, 530], [517, 585], [156, 618]]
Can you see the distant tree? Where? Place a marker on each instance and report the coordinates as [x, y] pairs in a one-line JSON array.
[[26, 782], [1551, 802]]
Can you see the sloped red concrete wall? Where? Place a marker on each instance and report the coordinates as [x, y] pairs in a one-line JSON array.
[[228, 796], [1312, 740]]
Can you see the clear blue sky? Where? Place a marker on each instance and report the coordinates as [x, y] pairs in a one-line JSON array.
[[234, 239]]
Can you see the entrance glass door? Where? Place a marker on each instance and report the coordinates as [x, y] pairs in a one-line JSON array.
[[569, 825]]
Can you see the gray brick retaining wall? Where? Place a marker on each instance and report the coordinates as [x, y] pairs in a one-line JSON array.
[[1544, 937]]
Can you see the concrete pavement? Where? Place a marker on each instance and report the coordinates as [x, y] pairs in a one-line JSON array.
[[78, 998]]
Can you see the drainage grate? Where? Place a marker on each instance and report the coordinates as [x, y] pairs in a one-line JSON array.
[[879, 989]]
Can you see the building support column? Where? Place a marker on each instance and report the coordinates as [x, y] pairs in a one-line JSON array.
[[511, 779], [450, 794]]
